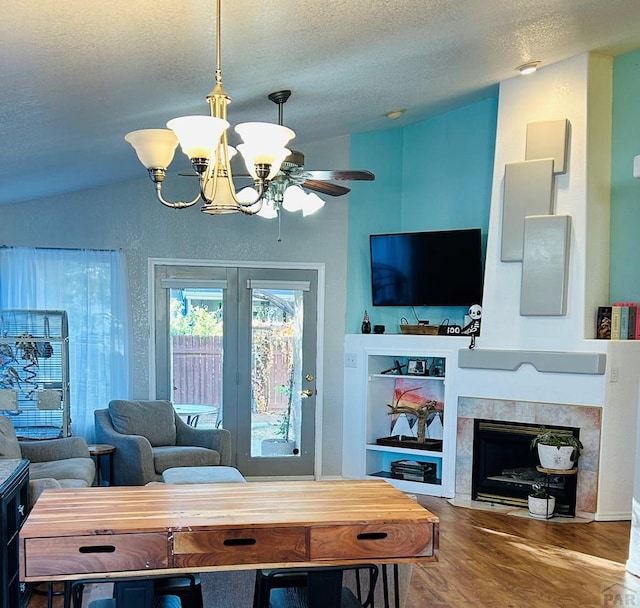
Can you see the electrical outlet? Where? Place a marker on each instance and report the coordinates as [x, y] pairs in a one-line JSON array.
[[613, 374], [350, 360]]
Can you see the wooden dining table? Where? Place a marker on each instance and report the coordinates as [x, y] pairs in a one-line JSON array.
[[110, 532]]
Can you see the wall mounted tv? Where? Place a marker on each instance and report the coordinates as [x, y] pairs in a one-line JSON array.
[[438, 268]]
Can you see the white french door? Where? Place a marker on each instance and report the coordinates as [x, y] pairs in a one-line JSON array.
[[241, 344]]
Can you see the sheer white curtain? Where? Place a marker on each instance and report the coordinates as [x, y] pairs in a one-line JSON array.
[[92, 286]]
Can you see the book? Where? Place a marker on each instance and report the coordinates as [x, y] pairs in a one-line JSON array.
[[615, 322], [624, 322], [603, 323], [628, 319], [633, 321]]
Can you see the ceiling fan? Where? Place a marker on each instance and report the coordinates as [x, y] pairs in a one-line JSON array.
[[285, 189], [293, 173]]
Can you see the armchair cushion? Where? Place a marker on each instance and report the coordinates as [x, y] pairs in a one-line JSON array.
[[167, 457], [154, 420]]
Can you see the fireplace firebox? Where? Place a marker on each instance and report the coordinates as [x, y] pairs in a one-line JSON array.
[[504, 466]]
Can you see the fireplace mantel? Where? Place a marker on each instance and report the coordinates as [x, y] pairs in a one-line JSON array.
[[542, 360]]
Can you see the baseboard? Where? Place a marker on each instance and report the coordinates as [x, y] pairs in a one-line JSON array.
[[622, 516]]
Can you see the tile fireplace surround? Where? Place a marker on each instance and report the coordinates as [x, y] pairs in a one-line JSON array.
[[586, 418]]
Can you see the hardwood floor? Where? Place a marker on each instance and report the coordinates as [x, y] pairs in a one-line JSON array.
[[493, 560]]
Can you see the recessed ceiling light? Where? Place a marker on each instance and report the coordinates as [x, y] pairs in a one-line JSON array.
[[394, 114], [528, 68]]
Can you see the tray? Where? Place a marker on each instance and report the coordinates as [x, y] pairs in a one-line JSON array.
[[434, 445]]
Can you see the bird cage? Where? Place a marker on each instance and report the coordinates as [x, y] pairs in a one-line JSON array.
[[34, 372]]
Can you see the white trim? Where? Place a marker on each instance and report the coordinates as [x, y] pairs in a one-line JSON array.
[[151, 308], [236, 264]]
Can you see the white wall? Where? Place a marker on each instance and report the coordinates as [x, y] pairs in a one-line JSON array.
[[578, 89], [127, 216]]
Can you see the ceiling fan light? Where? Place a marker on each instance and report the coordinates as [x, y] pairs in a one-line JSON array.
[[294, 198], [198, 135], [154, 147], [268, 210], [247, 195], [266, 156], [312, 204]]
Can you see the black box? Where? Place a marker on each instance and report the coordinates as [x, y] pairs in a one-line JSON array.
[[413, 470]]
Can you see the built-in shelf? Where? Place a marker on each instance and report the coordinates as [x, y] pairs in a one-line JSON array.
[[406, 451], [409, 376], [370, 390]]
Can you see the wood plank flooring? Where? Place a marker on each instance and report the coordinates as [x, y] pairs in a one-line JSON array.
[[493, 560]]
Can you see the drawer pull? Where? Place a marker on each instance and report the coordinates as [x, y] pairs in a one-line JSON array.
[[372, 536], [98, 549], [238, 542]]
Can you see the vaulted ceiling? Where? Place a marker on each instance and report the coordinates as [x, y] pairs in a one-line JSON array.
[[75, 76]]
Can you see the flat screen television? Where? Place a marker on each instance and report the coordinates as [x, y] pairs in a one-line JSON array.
[[437, 268]]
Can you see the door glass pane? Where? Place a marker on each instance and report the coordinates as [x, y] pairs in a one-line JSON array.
[[276, 373], [196, 328]]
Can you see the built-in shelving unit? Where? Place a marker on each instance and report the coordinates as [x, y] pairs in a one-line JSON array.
[[375, 377]]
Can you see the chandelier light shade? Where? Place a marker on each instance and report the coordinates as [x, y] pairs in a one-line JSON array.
[[204, 140], [154, 147], [198, 135]]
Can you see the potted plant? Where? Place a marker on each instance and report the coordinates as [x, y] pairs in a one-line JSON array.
[[557, 451], [281, 445], [541, 503]]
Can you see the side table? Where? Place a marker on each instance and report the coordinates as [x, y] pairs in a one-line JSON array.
[[98, 451], [557, 472]]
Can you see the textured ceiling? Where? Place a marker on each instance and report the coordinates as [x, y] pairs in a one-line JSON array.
[[76, 76]]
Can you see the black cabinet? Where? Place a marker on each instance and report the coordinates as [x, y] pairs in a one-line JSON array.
[[14, 500]]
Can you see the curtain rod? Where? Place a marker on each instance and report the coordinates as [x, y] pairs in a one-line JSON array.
[[58, 248]]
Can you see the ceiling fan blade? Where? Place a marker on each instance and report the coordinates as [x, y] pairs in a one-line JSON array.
[[349, 174], [325, 187]]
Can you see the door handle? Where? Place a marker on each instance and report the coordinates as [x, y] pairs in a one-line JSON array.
[[307, 392]]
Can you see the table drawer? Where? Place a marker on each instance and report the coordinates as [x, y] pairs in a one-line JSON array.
[[372, 541], [93, 554], [248, 546]]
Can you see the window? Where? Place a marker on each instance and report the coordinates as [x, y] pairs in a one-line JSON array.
[[92, 286]]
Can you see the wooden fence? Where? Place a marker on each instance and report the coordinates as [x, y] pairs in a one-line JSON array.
[[197, 372]]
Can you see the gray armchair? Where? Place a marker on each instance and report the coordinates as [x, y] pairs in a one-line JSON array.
[[150, 437], [53, 463]]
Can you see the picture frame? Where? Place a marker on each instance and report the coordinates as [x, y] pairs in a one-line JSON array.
[[417, 367]]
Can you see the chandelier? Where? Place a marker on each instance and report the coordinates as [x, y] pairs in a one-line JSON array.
[[204, 140]]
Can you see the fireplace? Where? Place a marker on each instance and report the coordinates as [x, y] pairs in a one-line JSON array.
[[587, 419], [504, 466]]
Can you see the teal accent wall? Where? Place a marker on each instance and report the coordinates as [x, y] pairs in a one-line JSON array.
[[625, 190], [433, 175]]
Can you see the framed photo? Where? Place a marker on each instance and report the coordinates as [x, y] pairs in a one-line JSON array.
[[417, 367]]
